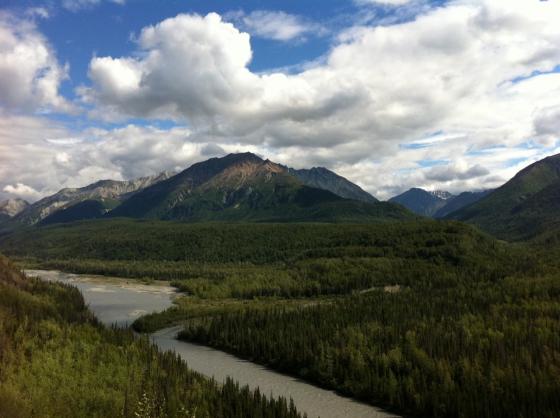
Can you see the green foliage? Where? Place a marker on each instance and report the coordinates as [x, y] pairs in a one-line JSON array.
[[480, 349], [57, 361], [429, 318]]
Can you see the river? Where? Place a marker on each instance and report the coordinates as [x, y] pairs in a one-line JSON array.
[[121, 301]]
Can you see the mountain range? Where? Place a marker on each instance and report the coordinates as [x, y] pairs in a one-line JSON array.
[[235, 187], [107, 193], [245, 187], [436, 204]]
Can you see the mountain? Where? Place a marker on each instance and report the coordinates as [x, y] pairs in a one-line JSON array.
[[245, 187], [422, 202], [109, 192], [525, 206], [11, 207], [87, 209], [460, 201], [322, 178]]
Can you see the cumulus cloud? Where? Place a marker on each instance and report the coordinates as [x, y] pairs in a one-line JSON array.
[[450, 99], [22, 190], [466, 67], [458, 171], [38, 157], [30, 74], [547, 126], [276, 25]]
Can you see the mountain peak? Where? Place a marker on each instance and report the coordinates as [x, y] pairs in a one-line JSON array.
[[442, 194], [247, 157], [421, 201], [323, 178]]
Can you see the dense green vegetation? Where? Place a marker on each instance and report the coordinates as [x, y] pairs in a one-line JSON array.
[[259, 260], [483, 349], [57, 361], [428, 318], [524, 207]]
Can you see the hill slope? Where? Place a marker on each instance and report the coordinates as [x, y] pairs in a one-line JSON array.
[[79, 368], [524, 207], [87, 209], [244, 187]]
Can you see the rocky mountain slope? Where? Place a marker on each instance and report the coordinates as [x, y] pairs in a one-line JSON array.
[[246, 187], [109, 192], [325, 179]]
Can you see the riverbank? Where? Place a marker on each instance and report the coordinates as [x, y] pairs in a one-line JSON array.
[[118, 302]]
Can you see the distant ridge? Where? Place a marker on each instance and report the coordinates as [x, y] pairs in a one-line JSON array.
[[524, 207], [460, 201], [109, 192], [421, 201], [246, 187]]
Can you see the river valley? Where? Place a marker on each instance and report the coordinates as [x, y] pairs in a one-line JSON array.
[[121, 301]]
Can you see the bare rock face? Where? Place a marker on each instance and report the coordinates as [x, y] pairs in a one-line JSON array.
[[12, 207], [325, 179], [110, 192]]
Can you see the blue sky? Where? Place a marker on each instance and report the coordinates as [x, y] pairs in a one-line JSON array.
[[389, 93], [106, 28]]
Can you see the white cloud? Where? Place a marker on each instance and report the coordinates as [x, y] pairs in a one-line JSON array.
[[449, 70], [76, 5], [276, 25], [38, 12], [547, 126], [30, 75], [369, 109], [23, 191]]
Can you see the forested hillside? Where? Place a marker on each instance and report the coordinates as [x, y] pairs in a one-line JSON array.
[[428, 318], [57, 361], [248, 260], [523, 208]]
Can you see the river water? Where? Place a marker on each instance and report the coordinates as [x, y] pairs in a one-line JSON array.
[[121, 301]]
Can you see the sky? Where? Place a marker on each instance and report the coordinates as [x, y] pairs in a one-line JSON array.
[[449, 95]]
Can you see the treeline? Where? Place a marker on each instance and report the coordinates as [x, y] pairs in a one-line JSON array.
[[487, 349], [57, 361], [207, 243], [286, 260]]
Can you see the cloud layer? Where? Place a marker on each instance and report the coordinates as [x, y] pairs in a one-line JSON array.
[[276, 25], [460, 97], [30, 74]]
